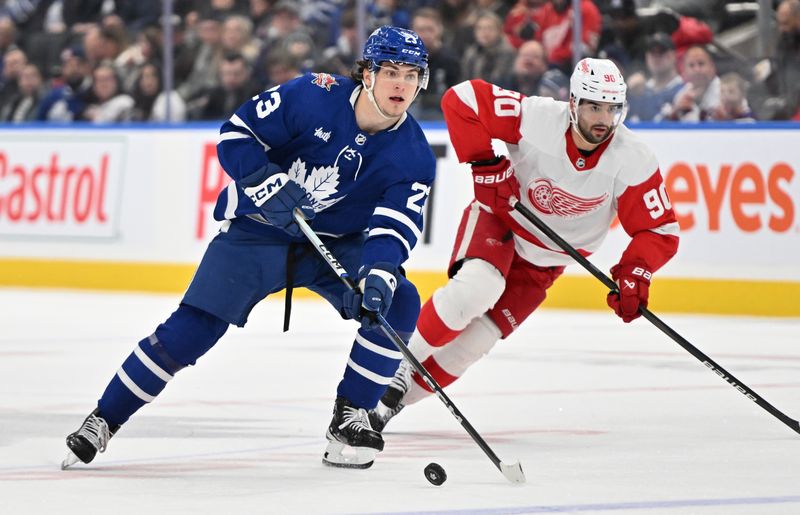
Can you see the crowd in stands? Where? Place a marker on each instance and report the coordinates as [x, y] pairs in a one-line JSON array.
[[103, 60]]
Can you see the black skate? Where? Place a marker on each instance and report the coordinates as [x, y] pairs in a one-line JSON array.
[[352, 443], [391, 402], [91, 438]]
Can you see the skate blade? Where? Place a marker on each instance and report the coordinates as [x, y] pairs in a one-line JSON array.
[[70, 460], [343, 456]]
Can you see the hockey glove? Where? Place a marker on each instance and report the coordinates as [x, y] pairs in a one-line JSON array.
[[277, 196], [377, 284], [495, 183], [634, 285]]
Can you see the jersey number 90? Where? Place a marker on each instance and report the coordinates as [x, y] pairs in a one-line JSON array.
[[657, 201], [506, 102]]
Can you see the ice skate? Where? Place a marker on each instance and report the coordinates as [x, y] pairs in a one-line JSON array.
[[91, 438], [352, 443], [391, 402]]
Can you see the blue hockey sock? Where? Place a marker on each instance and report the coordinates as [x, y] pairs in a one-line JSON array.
[[186, 335], [373, 361], [138, 381]]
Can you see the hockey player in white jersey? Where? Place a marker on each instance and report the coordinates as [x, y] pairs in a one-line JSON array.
[[344, 152], [577, 167]]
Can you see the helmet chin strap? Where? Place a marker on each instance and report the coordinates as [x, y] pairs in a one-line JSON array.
[[372, 98]]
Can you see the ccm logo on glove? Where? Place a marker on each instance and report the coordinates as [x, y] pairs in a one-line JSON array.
[[260, 193]]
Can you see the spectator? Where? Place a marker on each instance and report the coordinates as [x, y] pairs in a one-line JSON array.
[[341, 58], [260, 13], [67, 101], [700, 95], [733, 104], [622, 33], [107, 102], [648, 99], [146, 49], [529, 67], [8, 35], [237, 37], [138, 14], [104, 43], [281, 67], [555, 31], [14, 60], [150, 103], [521, 25], [235, 84], [300, 46], [285, 20], [445, 69], [24, 105], [781, 75], [387, 12], [204, 75], [459, 18], [221, 9], [491, 56]]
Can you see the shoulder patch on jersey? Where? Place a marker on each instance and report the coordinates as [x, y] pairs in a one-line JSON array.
[[551, 200], [324, 80]]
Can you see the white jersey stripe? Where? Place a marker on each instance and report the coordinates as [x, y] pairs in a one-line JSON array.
[[232, 201], [670, 228], [377, 349], [472, 220], [400, 217], [372, 376], [467, 95], [379, 231], [151, 365], [227, 136], [240, 123], [128, 382]]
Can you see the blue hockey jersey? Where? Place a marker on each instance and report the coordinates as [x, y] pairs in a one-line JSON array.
[[358, 181]]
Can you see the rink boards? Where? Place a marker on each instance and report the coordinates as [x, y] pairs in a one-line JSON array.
[[130, 208]]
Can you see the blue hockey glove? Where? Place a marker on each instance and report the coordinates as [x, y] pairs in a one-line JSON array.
[[277, 196], [377, 284]]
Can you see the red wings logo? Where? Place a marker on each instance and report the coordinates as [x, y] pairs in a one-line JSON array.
[[551, 200], [324, 80]]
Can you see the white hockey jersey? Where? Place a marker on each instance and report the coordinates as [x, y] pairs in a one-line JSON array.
[[577, 195]]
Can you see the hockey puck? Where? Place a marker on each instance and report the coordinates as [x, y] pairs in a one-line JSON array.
[[435, 474]]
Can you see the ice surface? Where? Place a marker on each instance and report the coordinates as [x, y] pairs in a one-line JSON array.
[[605, 418]]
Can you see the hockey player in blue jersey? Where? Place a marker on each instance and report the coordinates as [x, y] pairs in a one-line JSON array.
[[344, 152]]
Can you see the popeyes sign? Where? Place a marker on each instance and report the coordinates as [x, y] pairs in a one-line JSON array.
[[750, 197], [60, 187]]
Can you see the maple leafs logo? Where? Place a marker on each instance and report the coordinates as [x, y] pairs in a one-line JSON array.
[[321, 183]]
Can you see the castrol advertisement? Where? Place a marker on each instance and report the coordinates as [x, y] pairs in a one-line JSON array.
[[61, 187]]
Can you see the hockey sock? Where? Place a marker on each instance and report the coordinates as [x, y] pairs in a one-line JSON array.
[[472, 291], [451, 361], [184, 337]]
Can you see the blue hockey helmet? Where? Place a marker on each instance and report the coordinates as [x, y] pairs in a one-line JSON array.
[[399, 46]]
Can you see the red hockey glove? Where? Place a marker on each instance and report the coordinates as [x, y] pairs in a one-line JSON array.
[[495, 183], [634, 285]]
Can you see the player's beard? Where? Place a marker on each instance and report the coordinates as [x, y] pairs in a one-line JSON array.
[[589, 135]]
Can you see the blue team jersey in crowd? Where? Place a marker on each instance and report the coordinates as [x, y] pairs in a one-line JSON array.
[[358, 181]]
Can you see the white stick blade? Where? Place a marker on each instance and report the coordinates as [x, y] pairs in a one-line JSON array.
[[513, 472]]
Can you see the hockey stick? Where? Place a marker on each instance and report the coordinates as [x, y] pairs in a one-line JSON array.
[[694, 351], [512, 472]]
